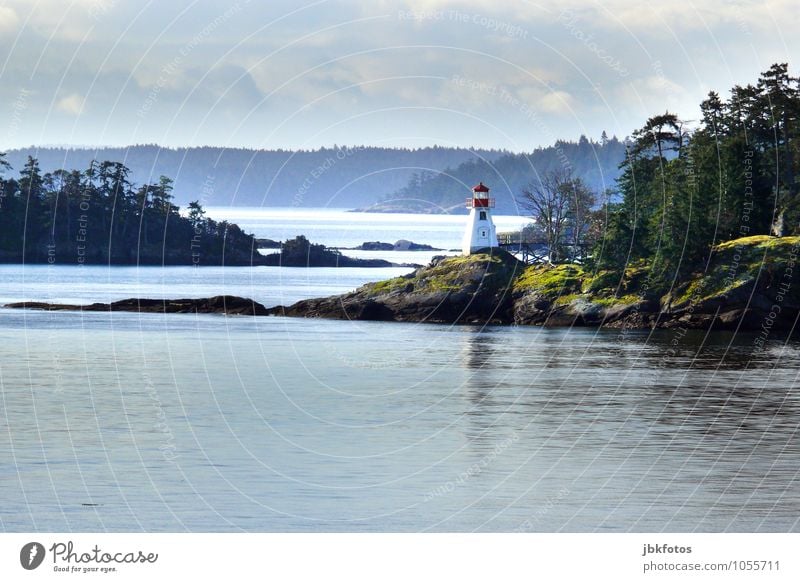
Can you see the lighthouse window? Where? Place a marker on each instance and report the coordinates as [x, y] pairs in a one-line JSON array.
[[483, 215], [483, 233]]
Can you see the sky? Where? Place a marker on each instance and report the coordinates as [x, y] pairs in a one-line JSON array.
[[303, 74]]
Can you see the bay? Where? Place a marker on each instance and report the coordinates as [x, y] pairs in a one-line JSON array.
[[128, 422]]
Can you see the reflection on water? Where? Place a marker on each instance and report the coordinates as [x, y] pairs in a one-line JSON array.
[[171, 423]]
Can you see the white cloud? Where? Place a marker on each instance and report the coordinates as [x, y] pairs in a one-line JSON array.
[[620, 61], [56, 19], [674, 18], [643, 97], [71, 104], [8, 20], [557, 102]]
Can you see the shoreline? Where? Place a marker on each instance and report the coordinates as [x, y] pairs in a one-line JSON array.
[[492, 287], [235, 305]]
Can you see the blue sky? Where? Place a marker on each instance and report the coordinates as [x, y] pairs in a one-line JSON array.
[[282, 74]]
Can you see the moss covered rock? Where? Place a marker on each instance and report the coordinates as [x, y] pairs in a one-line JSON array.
[[747, 280], [750, 283], [464, 289]]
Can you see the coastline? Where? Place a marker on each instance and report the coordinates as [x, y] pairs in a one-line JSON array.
[[493, 287]]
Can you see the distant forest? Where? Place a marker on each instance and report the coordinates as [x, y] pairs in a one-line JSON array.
[[336, 177], [432, 179], [596, 164]]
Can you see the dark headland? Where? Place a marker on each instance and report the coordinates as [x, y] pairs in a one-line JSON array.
[[747, 287]]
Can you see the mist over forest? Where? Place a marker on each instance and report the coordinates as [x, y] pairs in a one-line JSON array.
[[431, 179]]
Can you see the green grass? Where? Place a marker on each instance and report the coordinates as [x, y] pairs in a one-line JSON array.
[[629, 299], [563, 300], [603, 282], [388, 286], [451, 274], [553, 280], [762, 240], [740, 262]]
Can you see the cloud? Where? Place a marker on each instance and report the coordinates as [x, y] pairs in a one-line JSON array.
[[675, 18], [8, 20], [71, 104], [55, 19], [616, 63], [557, 102]]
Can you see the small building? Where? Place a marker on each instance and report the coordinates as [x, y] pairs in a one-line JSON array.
[[481, 232]]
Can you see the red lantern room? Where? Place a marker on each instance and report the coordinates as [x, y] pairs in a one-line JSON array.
[[480, 197]]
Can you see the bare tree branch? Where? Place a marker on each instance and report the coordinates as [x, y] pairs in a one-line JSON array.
[[561, 206]]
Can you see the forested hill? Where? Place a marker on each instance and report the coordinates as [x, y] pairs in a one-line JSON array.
[[420, 180], [334, 177], [595, 163]]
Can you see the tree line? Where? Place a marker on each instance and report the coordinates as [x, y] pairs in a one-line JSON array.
[[430, 179], [681, 191], [334, 177], [99, 216]]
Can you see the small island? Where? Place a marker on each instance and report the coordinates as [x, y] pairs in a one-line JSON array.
[[221, 304], [300, 252], [400, 245]]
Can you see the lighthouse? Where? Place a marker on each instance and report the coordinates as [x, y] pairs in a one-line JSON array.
[[480, 233]]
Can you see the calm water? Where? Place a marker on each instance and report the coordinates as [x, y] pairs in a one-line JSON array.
[[127, 422], [337, 228], [91, 283]]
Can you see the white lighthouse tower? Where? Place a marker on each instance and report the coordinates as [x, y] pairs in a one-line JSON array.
[[480, 233]]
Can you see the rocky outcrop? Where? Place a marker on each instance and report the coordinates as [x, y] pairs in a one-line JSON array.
[[222, 304], [748, 286], [333, 260], [473, 289], [752, 283]]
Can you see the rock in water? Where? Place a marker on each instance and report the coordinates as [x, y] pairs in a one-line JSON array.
[[223, 304]]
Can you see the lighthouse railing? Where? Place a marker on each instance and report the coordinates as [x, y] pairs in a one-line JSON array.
[[480, 202]]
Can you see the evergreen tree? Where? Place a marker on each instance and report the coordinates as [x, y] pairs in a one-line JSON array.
[[100, 216], [734, 176]]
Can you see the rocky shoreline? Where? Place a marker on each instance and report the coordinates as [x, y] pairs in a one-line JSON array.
[[747, 287], [496, 288]]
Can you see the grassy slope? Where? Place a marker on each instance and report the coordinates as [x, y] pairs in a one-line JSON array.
[[453, 274]]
